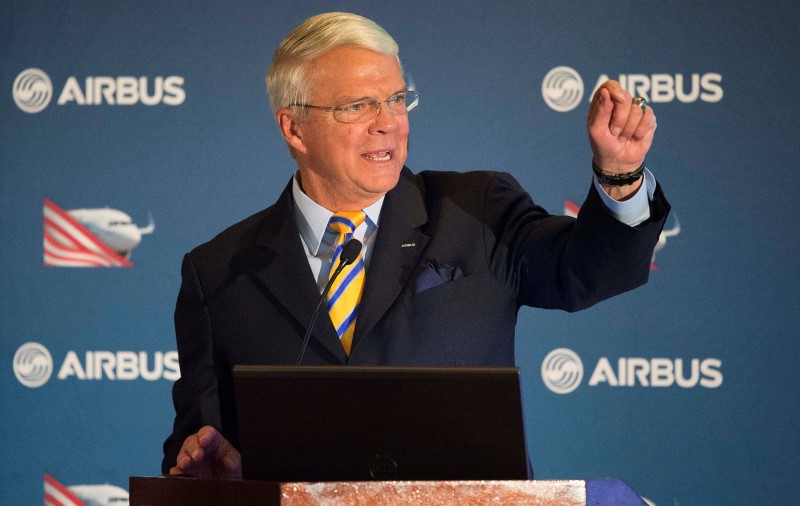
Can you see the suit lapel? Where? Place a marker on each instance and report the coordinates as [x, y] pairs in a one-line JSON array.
[[398, 246], [287, 276]]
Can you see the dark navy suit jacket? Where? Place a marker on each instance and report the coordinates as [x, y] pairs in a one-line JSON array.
[[248, 294]]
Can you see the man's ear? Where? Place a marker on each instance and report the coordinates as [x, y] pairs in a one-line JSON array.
[[291, 129]]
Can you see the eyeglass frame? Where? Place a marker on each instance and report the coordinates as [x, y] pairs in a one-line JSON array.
[[371, 102]]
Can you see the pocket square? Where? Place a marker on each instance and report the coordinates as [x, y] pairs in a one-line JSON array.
[[435, 275]]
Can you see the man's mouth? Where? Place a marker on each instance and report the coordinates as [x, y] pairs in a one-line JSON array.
[[378, 156]]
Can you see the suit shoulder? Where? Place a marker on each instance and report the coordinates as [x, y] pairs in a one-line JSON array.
[[469, 181], [466, 187], [233, 238]]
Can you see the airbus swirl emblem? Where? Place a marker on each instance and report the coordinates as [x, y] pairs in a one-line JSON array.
[[562, 89], [32, 90], [33, 365], [562, 370]]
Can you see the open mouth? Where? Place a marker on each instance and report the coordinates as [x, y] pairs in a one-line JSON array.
[[378, 156]]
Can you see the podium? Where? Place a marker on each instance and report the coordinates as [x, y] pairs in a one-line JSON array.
[[166, 490]]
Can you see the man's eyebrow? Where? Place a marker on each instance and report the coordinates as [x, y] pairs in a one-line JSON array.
[[352, 99]]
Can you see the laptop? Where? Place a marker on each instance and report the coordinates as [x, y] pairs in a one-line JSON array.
[[347, 423]]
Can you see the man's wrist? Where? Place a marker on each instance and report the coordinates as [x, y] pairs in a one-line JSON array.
[[615, 179], [634, 208]]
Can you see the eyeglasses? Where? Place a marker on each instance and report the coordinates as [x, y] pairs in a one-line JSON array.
[[366, 110]]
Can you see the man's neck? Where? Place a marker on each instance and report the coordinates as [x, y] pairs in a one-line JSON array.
[[332, 200]]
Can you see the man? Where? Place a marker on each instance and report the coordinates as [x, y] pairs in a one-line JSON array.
[[449, 258]]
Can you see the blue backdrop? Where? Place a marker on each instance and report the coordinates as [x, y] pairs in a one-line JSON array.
[[157, 109]]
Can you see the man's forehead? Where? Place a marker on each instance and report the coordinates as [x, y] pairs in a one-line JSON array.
[[349, 53], [352, 72]]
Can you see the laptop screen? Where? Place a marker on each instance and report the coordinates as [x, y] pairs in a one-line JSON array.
[[346, 423]]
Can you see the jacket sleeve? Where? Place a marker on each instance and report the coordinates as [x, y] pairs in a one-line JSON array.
[[195, 393], [559, 262]]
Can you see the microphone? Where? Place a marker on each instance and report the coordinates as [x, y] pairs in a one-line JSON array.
[[349, 253]]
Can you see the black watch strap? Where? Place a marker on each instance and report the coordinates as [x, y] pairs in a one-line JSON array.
[[617, 179]]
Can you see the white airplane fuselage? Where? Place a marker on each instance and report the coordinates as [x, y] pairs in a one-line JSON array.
[[113, 227], [101, 495]]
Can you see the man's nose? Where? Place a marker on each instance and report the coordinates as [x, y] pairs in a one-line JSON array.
[[384, 121]]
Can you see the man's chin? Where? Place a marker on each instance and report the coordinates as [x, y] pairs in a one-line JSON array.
[[389, 180], [382, 179]]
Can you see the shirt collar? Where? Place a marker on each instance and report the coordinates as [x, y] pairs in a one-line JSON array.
[[312, 219]]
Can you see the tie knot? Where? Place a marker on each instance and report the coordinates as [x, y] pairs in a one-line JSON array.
[[346, 222]]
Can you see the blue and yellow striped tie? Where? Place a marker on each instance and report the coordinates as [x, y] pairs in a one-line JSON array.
[[345, 293]]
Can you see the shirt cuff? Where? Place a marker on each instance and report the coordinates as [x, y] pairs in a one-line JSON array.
[[636, 209]]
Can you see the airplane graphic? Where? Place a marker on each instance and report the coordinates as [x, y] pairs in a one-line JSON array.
[[102, 237], [662, 241], [56, 494], [115, 228], [101, 495]]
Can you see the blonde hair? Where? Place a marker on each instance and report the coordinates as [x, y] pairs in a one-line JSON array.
[[288, 81]]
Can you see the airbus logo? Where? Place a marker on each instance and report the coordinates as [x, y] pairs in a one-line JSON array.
[[562, 87], [33, 365], [33, 90], [664, 88], [562, 372]]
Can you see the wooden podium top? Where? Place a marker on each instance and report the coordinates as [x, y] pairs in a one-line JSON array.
[[462, 493], [158, 491]]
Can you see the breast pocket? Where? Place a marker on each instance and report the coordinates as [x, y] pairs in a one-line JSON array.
[[448, 298]]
